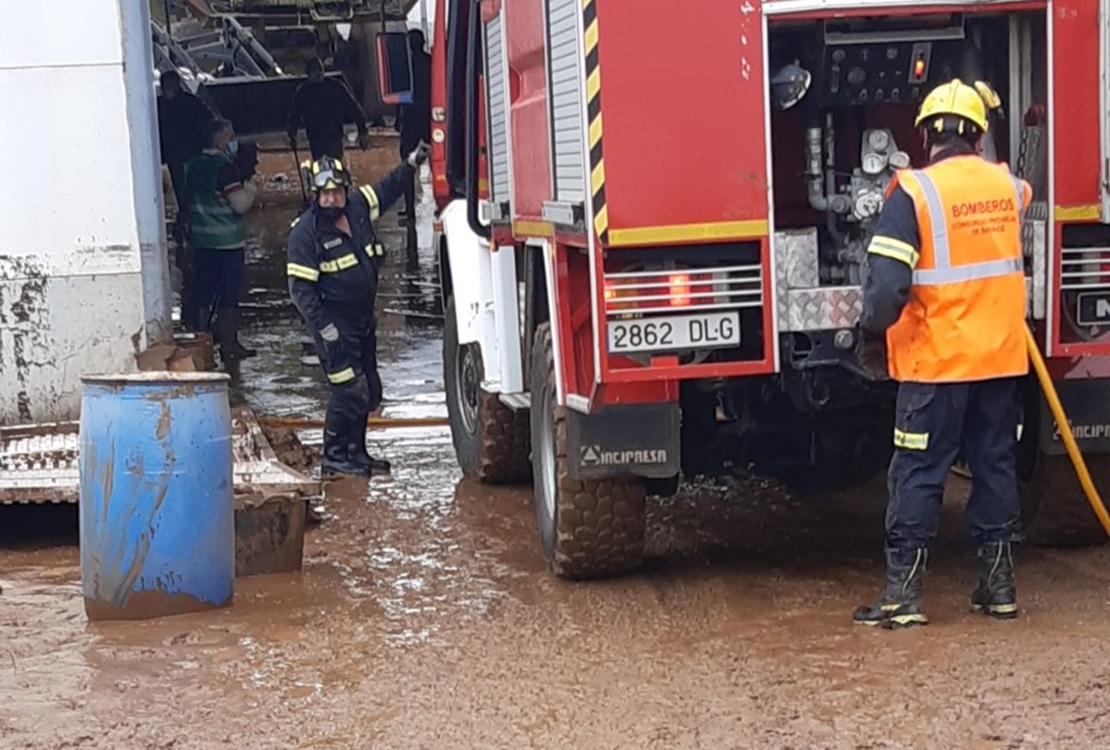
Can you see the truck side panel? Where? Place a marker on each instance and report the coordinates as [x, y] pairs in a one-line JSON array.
[[682, 103], [528, 78], [1079, 308], [1075, 82]]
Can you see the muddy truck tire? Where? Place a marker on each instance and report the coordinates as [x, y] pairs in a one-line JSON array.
[[588, 528], [491, 440]]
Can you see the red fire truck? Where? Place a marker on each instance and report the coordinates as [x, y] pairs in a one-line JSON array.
[[652, 231]]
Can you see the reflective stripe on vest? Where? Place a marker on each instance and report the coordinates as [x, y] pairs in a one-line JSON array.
[[213, 224], [965, 317], [944, 272]]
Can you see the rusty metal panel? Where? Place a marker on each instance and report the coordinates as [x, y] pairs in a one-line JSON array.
[[38, 463]]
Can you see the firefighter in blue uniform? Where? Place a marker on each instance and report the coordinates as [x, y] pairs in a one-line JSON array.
[[334, 257]]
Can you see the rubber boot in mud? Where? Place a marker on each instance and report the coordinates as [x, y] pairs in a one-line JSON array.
[[230, 334], [996, 594], [899, 606], [337, 453], [356, 450]]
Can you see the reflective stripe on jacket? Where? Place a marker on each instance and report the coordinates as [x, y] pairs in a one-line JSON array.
[[967, 304], [334, 276]]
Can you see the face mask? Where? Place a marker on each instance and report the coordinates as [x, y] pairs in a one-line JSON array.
[[233, 148]]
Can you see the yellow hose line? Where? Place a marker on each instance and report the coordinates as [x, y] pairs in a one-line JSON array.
[[374, 422], [1065, 432]]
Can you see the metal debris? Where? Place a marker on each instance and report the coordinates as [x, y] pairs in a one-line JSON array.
[[38, 463]]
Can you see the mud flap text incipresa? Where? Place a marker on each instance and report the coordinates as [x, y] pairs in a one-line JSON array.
[[641, 440], [1087, 404]]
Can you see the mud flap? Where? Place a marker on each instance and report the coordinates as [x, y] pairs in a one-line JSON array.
[[1087, 404], [639, 440]]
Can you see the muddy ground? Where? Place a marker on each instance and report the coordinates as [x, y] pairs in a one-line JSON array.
[[424, 617]]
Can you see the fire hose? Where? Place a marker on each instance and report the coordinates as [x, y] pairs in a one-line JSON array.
[[1039, 366], [1065, 432], [379, 423]]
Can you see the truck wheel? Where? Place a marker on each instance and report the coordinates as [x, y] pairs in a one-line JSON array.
[[589, 528], [491, 440], [1054, 508]]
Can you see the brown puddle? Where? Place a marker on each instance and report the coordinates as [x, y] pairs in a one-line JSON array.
[[423, 616], [144, 605]]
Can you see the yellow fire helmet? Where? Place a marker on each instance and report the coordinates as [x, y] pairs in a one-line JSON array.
[[954, 99]]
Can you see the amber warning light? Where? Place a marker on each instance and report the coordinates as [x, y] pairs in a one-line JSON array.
[[919, 70]]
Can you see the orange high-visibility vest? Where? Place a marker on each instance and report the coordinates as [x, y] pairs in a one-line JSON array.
[[965, 316]]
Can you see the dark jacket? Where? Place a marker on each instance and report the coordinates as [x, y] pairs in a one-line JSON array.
[[181, 123], [323, 108], [414, 120], [333, 278]]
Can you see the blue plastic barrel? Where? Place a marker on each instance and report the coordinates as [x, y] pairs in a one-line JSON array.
[[157, 525]]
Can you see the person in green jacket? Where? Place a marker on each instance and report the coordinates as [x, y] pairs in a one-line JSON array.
[[218, 198]]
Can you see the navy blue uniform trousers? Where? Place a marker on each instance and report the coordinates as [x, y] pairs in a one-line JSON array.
[[357, 349], [935, 425]]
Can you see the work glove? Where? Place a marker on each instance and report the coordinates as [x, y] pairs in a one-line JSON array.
[[364, 141], [871, 353], [418, 156]]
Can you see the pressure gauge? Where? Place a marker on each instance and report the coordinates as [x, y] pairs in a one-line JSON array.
[[900, 160], [879, 140], [868, 204], [873, 164]]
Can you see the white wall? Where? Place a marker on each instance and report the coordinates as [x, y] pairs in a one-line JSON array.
[[74, 220]]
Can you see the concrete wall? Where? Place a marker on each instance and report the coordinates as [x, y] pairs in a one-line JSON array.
[[83, 270]]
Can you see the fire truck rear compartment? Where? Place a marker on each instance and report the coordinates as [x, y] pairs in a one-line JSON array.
[[844, 97]]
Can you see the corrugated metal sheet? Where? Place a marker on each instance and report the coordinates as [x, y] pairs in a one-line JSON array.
[[38, 463], [567, 126], [500, 189]]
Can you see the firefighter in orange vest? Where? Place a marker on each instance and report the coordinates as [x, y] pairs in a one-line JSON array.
[[943, 314]]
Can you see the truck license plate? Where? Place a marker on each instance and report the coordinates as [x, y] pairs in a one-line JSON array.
[[707, 330]]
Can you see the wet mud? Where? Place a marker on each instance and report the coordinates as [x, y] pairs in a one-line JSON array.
[[424, 617], [144, 605]]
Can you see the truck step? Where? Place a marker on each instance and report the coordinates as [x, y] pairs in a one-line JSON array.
[[517, 401]]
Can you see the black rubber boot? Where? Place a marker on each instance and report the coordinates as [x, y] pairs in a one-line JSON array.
[[337, 457], [357, 449], [900, 603], [229, 332], [996, 594]]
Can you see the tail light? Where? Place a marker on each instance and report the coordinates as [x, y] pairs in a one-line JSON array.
[[656, 291], [680, 290]]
